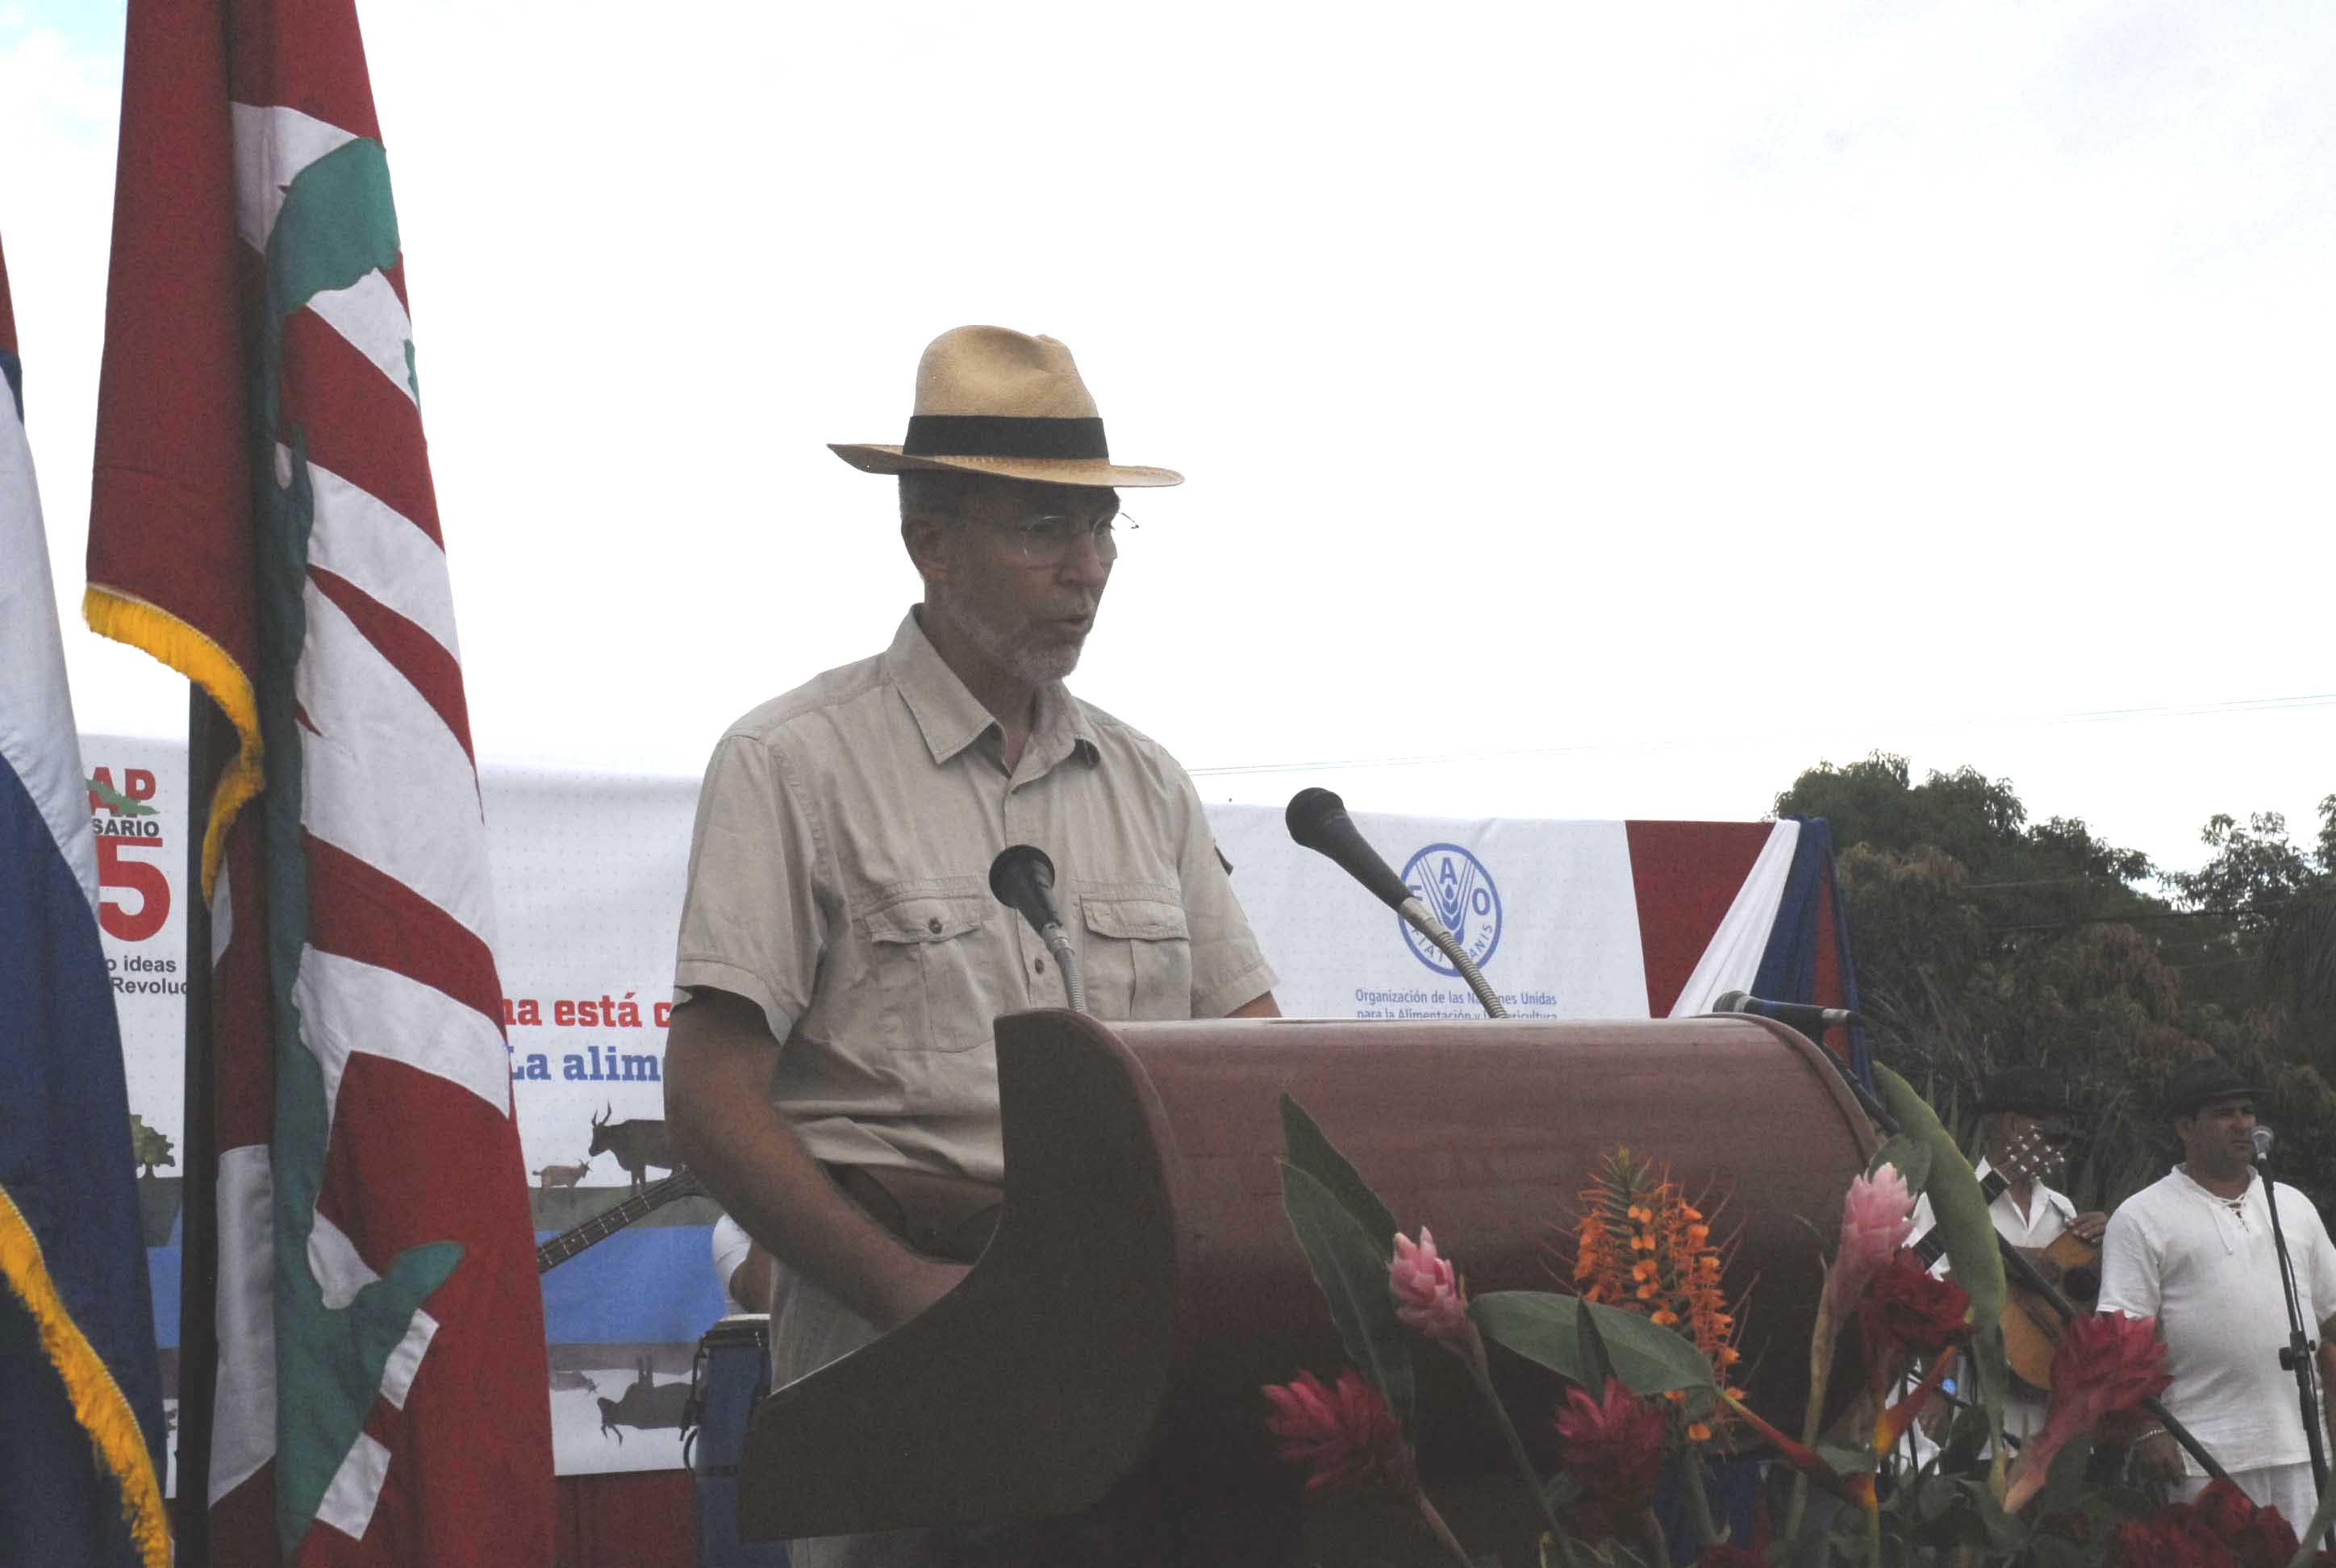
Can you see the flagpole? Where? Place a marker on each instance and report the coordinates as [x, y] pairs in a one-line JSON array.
[[198, 1192]]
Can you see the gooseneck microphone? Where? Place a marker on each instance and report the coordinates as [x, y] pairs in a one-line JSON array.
[[1023, 879], [1318, 821], [2262, 1144], [1805, 1017]]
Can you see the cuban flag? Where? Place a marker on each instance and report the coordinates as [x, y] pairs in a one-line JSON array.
[[81, 1407]]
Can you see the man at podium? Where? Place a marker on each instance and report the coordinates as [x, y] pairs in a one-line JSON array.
[[829, 1073]]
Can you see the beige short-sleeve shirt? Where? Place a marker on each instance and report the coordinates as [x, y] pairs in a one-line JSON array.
[[839, 880]]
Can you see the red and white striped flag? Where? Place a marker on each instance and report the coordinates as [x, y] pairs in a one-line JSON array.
[[264, 520]]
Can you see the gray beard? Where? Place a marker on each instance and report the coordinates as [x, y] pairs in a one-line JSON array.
[[1033, 667]]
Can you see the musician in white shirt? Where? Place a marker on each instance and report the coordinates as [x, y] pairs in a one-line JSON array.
[[2025, 1112], [2195, 1252]]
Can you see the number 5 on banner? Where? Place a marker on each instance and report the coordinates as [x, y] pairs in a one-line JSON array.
[[118, 871]]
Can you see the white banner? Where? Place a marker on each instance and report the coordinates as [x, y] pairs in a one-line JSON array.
[[588, 872]]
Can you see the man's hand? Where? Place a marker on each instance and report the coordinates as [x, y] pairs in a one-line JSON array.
[[928, 1281], [718, 1072], [2157, 1459], [2088, 1228]]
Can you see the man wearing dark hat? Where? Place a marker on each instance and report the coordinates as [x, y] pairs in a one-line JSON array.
[[830, 1074], [2024, 1119], [2194, 1250]]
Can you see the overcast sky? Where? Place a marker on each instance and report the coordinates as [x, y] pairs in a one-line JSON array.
[[1588, 410]]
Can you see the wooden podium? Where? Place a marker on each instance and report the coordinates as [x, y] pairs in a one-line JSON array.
[[1109, 1346]]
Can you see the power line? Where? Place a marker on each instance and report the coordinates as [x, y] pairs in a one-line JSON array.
[[2148, 915], [2097, 716]]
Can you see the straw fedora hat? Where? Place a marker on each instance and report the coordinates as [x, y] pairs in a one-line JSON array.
[[991, 401]]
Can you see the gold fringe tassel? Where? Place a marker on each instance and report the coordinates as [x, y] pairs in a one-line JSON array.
[[126, 618], [98, 1402]]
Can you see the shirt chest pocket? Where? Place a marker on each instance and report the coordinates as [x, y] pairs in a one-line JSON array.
[[929, 953], [1137, 955]]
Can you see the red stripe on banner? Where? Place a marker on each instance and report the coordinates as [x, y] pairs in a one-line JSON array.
[[359, 911], [1686, 875], [414, 1160], [357, 423], [417, 656], [310, 58]]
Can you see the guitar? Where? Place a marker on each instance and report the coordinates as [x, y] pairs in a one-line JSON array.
[[2031, 1328], [607, 1223]]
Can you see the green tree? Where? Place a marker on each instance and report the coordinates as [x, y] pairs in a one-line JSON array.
[[1983, 941], [147, 1146]]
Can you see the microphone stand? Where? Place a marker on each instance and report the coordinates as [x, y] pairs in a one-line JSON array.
[[1066, 958], [1417, 917], [2295, 1355], [2016, 1262]]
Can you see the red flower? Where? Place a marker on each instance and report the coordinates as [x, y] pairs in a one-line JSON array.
[[2265, 1541], [1908, 1311], [1613, 1455], [2163, 1543], [1345, 1433], [2107, 1363], [2220, 1512]]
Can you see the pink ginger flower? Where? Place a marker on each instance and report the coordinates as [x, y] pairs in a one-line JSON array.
[[2105, 1363], [1875, 1221], [1345, 1434], [1428, 1292]]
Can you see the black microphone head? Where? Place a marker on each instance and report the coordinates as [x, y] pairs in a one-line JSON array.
[[1017, 868], [1730, 1002], [1310, 810]]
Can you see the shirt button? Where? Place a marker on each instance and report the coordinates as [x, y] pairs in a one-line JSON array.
[[1038, 966], [934, 925]]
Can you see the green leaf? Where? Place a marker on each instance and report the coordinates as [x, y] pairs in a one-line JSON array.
[[1849, 1458], [1352, 1270], [1544, 1327], [2064, 1484], [1314, 1154], [1590, 1353], [1911, 1157], [1961, 1210]]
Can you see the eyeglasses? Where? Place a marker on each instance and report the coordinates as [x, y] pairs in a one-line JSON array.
[[1046, 540]]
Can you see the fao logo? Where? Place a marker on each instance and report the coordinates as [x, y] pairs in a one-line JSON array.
[[1458, 891]]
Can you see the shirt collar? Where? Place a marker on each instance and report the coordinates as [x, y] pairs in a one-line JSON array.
[[951, 718]]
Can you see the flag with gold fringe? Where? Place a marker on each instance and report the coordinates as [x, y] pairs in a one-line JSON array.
[[263, 519], [81, 1406]]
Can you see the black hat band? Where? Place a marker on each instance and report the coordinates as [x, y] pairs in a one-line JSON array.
[[1003, 436]]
